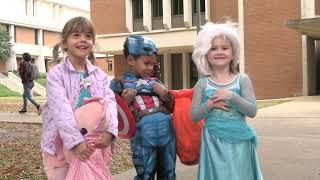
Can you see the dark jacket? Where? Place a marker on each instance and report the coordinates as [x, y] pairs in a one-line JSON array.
[[22, 72]]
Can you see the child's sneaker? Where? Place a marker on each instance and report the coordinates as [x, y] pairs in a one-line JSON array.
[[39, 108]]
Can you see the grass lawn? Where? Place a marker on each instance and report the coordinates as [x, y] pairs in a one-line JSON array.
[[5, 92], [271, 102], [42, 81]]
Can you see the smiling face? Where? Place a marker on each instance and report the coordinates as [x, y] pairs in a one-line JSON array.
[[221, 53], [78, 45], [78, 38], [143, 65]]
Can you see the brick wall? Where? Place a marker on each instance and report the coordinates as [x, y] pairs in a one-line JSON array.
[[3, 67], [50, 38], [224, 10], [108, 16], [120, 64], [25, 35], [273, 51], [317, 7]]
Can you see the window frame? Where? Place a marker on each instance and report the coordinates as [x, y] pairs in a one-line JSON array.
[[177, 7], [137, 9], [157, 8]]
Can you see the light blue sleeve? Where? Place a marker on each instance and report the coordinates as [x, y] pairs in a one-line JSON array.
[[246, 101], [198, 108]]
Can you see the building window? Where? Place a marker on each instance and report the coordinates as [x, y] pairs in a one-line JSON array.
[[36, 37], [177, 7], [202, 6], [137, 9], [109, 65], [157, 10], [33, 8], [160, 63], [15, 34], [193, 72], [177, 76]]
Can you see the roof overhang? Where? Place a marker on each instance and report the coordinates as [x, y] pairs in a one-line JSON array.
[[310, 26], [172, 41]]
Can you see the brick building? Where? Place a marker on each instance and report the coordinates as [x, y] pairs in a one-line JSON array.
[[281, 62], [35, 25]]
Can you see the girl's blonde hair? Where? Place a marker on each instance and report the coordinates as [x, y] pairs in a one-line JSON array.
[[76, 24], [204, 42]]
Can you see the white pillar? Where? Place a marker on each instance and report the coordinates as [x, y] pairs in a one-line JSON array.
[[36, 7], [187, 13], [40, 60], [241, 36], [308, 8], [13, 61], [56, 13], [166, 14], [147, 16], [167, 76], [304, 65], [185, 70], [207, 6], [129, 18], [29, 7]]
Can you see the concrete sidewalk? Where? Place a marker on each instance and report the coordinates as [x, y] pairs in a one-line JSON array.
[[289, 142], [20, 118], [289, 136]]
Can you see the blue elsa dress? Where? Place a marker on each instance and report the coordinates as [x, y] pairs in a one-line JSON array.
[[228, 144]]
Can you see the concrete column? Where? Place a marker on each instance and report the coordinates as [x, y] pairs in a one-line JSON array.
[[36, 7], [29, 8], [187, 13], [241, 36], [308, 66], [129, 18], [185, 70], [307, 8], [13, 61], [40, 60], [166, 14], [147, 16], [56, 9], [167, 70], [207, 6]]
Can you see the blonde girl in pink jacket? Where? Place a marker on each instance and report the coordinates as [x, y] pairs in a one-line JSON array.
[[68, 84]]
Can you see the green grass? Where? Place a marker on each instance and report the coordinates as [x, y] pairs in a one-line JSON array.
[[271, 102], [5, 92], [42, 81]]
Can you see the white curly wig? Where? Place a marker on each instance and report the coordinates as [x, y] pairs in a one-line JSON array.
[[204, 42]]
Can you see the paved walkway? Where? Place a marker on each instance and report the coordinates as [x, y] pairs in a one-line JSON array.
[[20, 118], [289, 135]]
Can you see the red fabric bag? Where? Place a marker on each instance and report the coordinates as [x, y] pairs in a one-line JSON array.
[[188, 133]]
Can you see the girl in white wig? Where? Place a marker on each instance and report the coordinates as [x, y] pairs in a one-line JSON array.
[[224, 98]]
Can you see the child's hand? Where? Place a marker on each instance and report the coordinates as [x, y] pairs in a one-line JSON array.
[[161, 91], [104, 140], [83, 151], [128, 95], [221, 95], [210, 104]]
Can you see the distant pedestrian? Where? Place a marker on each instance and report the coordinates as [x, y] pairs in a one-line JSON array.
[[28, 84], [224, 98]]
